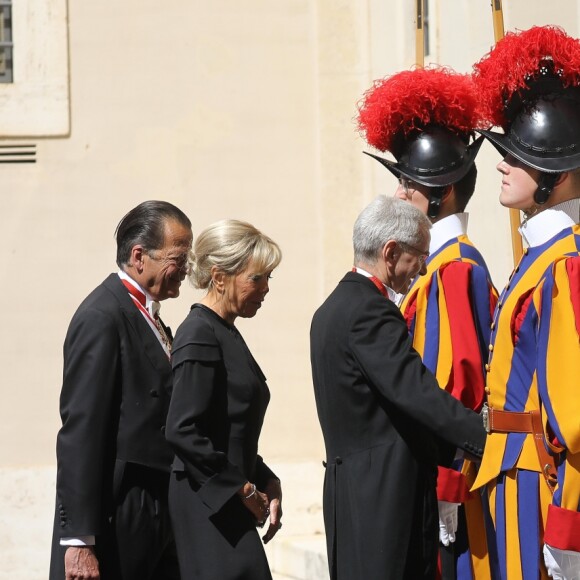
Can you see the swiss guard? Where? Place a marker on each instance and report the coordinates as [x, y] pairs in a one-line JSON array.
[[426, 119], [529, 85]]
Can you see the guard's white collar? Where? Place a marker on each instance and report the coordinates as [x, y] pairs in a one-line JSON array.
[[547, 223], [446, 229]]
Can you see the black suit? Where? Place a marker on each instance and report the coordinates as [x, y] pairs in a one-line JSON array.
[[113, 460], [386, 426]]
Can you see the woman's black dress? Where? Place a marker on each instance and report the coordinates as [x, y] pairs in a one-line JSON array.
[[215, 417]]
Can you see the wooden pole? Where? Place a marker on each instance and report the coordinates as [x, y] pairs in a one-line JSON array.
[[497, 15], [419, 34], [498, 33]]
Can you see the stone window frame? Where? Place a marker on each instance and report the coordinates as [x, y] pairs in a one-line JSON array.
[[6, 44], [37, 101]]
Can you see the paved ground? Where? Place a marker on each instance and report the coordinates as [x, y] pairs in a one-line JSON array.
[[26, 512]]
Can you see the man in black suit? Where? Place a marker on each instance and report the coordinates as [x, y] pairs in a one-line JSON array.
[[112, 520], [386, 423]]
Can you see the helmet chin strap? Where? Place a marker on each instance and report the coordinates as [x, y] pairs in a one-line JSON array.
[[545, 186], [435, 197]]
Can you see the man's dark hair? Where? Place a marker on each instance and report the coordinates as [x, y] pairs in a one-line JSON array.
[[464, 188], [145, 225]]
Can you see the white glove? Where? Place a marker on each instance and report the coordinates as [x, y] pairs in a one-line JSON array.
[[562, 564], [447, 521]]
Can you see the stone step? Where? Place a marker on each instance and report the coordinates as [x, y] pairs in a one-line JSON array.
[[298, 552], [299, 557]]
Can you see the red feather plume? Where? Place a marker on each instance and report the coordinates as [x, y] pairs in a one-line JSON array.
[[411, 100], [506, 68]]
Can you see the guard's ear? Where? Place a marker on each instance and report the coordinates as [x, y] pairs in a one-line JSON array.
[[448, 190], [561, 178]]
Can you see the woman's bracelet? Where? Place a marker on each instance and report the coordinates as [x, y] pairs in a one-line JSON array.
[[253, 492]]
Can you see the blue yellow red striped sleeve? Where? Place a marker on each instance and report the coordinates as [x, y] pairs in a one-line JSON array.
[[558, 374], [449, 317], [469, 302]]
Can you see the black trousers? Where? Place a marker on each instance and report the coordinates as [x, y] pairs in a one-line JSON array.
[[137, 542]]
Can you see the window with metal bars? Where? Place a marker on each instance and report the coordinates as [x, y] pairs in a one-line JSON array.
[[6, 45]]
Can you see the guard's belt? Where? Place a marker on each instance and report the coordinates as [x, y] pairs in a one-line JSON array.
[[497, 421]]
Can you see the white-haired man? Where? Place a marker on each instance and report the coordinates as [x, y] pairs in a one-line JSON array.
[[386, 423]]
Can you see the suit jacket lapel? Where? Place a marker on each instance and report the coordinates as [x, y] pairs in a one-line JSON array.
[[151, 347]]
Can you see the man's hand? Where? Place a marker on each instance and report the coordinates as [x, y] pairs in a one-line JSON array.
[[447, 522], [274, 494], [80, 563]]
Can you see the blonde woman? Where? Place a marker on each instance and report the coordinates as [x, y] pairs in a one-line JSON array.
[[221, 489]]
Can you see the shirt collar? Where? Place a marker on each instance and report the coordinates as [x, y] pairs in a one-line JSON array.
[[393, 296], [151, 305], [547, 223], [448, 228]]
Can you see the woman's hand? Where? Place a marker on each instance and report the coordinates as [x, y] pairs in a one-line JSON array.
[[255, 501], [274, 495]]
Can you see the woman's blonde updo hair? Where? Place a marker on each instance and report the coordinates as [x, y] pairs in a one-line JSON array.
[[231, 245]]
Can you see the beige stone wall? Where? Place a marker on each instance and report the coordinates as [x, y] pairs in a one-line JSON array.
[[228, 109]]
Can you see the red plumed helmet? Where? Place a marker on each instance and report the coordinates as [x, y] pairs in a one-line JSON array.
[[529, 85], [410, 101], [425, 118], [518, 62]]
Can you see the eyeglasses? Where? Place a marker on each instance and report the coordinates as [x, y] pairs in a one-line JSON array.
[[181, 261], [408, 186], [422, 255]]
